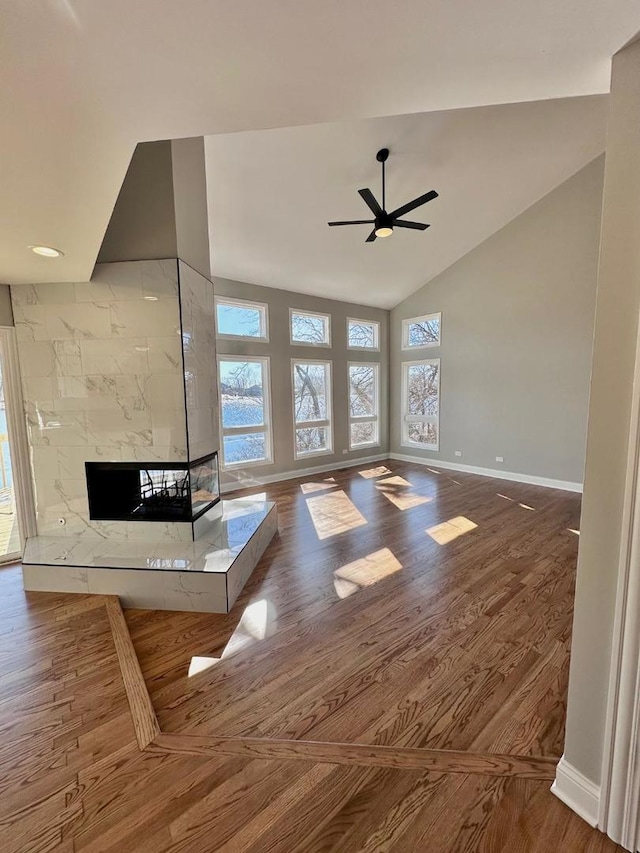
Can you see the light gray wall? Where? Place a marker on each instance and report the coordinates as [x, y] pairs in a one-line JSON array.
[[142, 225], [616, 330], [190, 203], [517, 328], [6, 314], [161, 211], [281, 352]]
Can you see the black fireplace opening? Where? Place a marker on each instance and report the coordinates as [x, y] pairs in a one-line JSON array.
[[152, 491]]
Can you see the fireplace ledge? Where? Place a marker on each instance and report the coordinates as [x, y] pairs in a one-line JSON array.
[[204, 576]]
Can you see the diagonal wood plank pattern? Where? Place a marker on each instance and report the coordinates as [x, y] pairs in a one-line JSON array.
[[453, 664]]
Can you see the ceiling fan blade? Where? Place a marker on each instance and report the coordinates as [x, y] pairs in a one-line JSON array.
[[371, 237], [411, 205], [370, 201], [400, 223], [353, 222]]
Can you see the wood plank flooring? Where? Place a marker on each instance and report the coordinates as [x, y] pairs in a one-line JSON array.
[[385, 636]]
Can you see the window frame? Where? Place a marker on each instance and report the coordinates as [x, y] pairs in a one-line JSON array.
[[232, 301], [324, 344], [326, 423], [406, 418], [375, 324], [265, 428], [411, 320], [375, 418]]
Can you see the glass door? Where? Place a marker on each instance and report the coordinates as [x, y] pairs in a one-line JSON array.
[[16, 502]]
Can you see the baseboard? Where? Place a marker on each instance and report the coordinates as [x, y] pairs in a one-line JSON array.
[[249, 481], [566, 485], [576, 791]]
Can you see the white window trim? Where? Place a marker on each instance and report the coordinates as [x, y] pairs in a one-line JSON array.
[[376, 324], [327, 317], [327, 423], [425, 419], [243, 303], [410, 320], [266, 428], [364, 419]]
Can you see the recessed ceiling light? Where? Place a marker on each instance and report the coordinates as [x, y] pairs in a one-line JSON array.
[[47, 251], [151, 298]]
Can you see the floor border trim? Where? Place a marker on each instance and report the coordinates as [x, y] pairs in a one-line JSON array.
[[152, 739]]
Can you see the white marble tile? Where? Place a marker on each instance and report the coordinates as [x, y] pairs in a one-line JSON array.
[[77, 321], [39, 389], [169, 428], [158, 453], [37, 358], [165, 354], [45, 461], [195, 592], [55, 578], [129, 280], [31, 322], [46, 426], [159, 318], [67, 358], [43, 294], [71, 460], [118, 428], [111, 357], [165, 391]]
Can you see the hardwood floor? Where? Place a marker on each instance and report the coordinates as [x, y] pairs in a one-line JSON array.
[[409, 616]]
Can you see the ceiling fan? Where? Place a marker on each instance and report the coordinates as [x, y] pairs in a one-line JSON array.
[[384, 222]]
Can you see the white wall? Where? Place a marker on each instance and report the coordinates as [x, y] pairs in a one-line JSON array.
[[517, 328]]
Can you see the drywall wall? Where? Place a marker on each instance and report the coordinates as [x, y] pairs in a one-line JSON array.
[[142, 225], [6, 313], [281, 351], [161, 211], [614, 356], [517, 328]]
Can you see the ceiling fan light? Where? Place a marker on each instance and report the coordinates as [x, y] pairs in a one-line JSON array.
[[384, 231]]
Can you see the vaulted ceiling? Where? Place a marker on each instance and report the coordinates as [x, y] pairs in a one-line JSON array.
[[82, 81], [271, 193]]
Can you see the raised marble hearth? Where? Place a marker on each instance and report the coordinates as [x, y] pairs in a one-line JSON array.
[[202, 576]]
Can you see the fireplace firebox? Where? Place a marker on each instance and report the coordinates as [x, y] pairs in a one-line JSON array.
[[153, 491]]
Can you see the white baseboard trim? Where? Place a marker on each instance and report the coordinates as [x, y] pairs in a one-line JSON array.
[[248, 480], [576, 791], [566, 485]]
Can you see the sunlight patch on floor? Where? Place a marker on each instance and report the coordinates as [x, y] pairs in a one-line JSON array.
[[573, 530], [333, 514], [365, 572], [526, 506], [505, 497], [396, 490], [256, 622], [374, 472], [319, 486], [447, 531]]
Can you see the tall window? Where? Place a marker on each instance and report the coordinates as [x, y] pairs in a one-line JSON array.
[[421, 331], [312, 407], [238, 318], [363, 334], [363, 405], [310, 329], [245, 410], [421, 403]]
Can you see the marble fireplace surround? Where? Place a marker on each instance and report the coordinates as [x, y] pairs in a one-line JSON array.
[[205, 575], [118, 369]]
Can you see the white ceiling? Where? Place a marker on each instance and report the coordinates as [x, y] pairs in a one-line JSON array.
[[81, 81], [271, 193]]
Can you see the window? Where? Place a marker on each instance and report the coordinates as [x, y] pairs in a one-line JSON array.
[[310, 329], [363, 334], [421, 331], [363, 405], [421, 403], [312, 407], [245, 410], [237, 318]]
